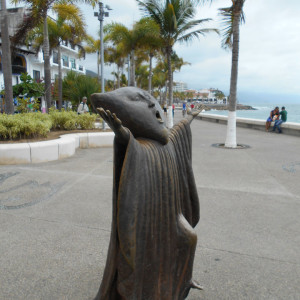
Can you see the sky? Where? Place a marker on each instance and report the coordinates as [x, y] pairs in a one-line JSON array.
[[269, 57]]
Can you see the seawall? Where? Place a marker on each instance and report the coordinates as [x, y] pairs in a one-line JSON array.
[[287, 128]]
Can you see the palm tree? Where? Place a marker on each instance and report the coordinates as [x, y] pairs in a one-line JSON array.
[[116, 55], [93, 46], [159, 79], [129, 40], [233, 16], [151, 42], [69, 26], [160, 74], [39, 15], [142, 75], [175, 20], [177, 62], [6, 60]]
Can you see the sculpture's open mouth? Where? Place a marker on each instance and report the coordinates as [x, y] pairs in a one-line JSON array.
[[158, 117]]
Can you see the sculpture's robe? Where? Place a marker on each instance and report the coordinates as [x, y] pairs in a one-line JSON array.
[[155, 207]]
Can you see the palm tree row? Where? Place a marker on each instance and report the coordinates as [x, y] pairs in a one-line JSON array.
[[165, 23]]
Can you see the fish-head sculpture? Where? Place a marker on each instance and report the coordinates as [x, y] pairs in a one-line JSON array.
[[138, 111]]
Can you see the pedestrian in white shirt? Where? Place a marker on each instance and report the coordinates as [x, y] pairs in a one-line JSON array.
[[83, 107]]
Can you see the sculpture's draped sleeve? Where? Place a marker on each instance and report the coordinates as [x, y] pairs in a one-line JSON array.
[[155, 207]]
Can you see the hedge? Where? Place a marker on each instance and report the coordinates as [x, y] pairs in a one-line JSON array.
[[36, 124]]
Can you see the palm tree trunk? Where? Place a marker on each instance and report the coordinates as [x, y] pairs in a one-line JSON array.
[[6, 60], [170, 80], [132, 69], [59, 78], [231, 125], [159, 95], [47, 73], [118, 78], [150, 74]]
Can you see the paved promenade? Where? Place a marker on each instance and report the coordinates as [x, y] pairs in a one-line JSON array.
[[55, 220]]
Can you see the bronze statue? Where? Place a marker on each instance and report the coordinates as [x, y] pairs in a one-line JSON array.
[[155, 201]]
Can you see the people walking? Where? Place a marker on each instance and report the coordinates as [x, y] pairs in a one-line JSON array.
[[183, 109], [165, 109]]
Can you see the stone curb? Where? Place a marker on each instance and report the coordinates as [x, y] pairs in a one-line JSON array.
[[65, 146]]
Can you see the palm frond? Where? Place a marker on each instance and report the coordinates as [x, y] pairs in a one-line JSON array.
[[196, 34], [228, 14]]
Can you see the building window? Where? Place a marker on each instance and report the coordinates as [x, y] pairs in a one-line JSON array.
[[18, 64], [73, 64], [65, 59], [55, 57], [80, 68], [36, 75]]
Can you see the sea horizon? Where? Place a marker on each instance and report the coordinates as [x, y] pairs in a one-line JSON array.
[[262, 111]]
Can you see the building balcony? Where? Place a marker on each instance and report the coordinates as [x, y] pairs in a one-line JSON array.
[[69, 66], [16, 70]]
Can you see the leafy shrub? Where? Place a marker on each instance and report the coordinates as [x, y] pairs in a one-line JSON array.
[[64, 120], [86, 121], [24, 125], [36, 124], [26, 105], [3, 131]]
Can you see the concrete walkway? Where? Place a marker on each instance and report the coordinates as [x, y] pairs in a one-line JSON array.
[[55, 220]]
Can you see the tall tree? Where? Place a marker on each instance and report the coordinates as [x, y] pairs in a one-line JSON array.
[[6, 60], [76, 86], [93, 46], [233, 16], [38, 15], [142, 75], [115, 55], [175, 19], [69, 26], [129, 40], [151, 42]]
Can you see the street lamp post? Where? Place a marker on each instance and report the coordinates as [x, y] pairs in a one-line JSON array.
[[101, 14]]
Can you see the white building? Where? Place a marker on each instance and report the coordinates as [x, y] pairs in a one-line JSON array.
[[209, 95], [179, 86], [27, 60]]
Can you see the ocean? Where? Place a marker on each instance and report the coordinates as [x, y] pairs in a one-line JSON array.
[[262, 111]]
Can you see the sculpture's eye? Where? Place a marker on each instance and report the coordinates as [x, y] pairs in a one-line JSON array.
[[151, 104], [146, 96]]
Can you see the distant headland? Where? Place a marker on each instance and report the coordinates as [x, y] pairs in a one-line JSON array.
[[208, 107]]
